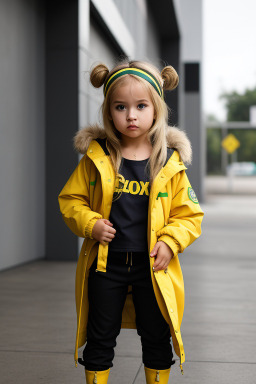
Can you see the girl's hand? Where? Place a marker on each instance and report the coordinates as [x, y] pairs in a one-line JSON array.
[[163, 254], [102, 231]]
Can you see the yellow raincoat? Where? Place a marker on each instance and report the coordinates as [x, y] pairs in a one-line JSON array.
[[174, 216]]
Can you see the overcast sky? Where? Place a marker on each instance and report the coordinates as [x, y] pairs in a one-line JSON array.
[[229, 50]]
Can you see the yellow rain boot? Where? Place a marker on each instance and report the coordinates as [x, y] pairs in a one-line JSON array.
[[157, 375], [97, 377]]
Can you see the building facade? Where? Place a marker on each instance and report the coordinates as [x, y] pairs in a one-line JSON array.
[[47, 49]]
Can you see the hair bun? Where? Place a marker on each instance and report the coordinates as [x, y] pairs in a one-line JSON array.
[[98, 75], [170, 77]]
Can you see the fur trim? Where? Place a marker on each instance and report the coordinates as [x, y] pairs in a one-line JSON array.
[[178, 139], [175, 139], [83, 137]]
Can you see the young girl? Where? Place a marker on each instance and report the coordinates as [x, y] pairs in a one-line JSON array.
[[130, 199]]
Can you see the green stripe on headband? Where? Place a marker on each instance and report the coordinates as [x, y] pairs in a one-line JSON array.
[[134, 71]]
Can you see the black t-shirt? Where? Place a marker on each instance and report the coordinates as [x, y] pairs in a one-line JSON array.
[[129, 211]]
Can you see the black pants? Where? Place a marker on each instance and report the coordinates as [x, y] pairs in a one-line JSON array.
[[107, 293]]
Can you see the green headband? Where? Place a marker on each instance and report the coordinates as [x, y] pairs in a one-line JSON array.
[[134, 71]]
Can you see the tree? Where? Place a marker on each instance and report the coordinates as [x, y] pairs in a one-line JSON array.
[[213, 150], [238, 107]]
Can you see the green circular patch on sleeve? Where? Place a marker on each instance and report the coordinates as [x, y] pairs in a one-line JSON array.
[[192, 195]]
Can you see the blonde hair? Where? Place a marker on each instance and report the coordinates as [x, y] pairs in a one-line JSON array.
[[168, 79]]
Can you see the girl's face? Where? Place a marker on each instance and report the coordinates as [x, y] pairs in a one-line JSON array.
[[132, 110]]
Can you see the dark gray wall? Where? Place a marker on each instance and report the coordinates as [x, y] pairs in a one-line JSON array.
[[192, 98], [170, 49], [61, 119], [163, 33]]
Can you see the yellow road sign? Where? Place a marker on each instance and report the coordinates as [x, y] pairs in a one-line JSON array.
[[230, 143]]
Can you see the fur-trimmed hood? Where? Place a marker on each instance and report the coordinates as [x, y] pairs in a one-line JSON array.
[[175, 139]]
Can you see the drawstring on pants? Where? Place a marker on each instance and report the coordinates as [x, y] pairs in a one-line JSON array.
[[127, 259]]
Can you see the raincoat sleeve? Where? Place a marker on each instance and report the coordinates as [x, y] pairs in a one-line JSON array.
[[74, 201], [184, 222]]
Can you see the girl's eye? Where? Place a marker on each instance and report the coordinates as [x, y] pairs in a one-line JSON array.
[[120, 107]]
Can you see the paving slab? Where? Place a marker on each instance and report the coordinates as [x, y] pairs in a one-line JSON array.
[[38, 307], [209, 373], [38, 317], [26, 367]]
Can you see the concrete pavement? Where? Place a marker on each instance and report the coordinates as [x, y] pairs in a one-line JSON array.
[[38, 319]]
